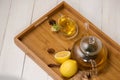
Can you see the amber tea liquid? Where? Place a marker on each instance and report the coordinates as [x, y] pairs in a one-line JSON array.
[[68, 26], [100, 59]]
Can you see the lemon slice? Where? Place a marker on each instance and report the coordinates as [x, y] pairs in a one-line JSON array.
[[62, 56]]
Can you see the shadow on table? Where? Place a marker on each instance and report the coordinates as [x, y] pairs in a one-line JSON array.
[[2, 77]]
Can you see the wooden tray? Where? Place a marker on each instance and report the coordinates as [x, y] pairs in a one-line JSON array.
[[38, 38]]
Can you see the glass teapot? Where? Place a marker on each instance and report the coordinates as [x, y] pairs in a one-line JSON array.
[[89, 51]]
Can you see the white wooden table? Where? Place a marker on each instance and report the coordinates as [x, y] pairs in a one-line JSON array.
[[16, 15]]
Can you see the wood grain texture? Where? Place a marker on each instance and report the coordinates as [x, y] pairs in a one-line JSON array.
[[92, 10], [11, 60], [103, 13], [110, 22], [4, 15], [33, 70], [39, 39], [75, 4], [30, 68]]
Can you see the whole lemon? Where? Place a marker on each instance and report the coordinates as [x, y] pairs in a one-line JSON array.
[[68, 68]]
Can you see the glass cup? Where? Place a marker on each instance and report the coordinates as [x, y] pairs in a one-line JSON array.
[[68, 27]]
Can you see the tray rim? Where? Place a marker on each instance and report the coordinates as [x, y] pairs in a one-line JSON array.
[[39, 61]]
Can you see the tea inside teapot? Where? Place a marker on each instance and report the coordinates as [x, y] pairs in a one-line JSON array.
[[89, 48]]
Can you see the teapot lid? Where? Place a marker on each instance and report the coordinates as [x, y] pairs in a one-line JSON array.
[[90, 45]]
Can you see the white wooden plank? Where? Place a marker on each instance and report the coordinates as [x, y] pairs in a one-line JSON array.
[[50, 78], [74, 3], [31, 70], [4, 11], [42, 7], [11, 61], [111, 16], [92, 10]]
